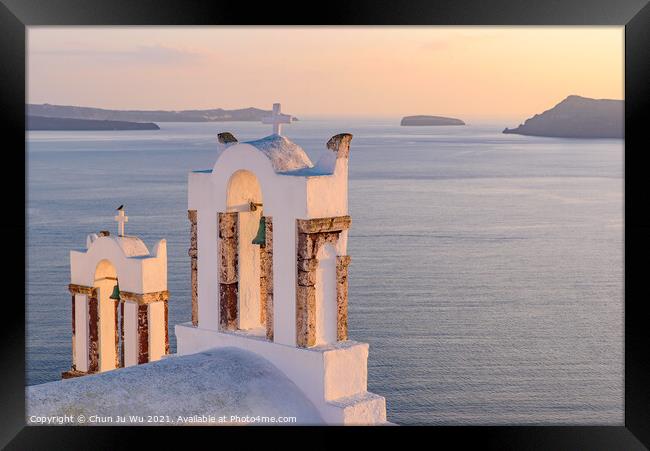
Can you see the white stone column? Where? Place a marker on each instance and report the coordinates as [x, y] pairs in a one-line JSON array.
[[81, 332], [325, 285], [284, 269], [130, 333], [207, 271], [157, 330], [107, 330], [249, 302]]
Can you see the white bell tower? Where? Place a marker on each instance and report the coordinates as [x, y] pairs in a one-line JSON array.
[[119, 302], [269, 267]]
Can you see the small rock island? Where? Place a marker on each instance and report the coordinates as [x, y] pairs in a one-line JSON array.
[[59, 123], [577, 117], [424, 120]]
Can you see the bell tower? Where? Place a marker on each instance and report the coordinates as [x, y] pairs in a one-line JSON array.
[[269, 267], [119, 302]]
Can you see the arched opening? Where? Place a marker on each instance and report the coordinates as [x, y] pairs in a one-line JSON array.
[[326, 313], [244, 198], [103, 320]]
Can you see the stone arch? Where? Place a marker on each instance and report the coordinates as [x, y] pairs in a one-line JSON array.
[[245, 268], [243, 187], [277, 188]]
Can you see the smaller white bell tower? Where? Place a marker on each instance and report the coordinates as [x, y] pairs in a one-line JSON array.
[[119, 302]]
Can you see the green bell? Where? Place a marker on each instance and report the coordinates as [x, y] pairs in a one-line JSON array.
[[116, 292], [261, 233]]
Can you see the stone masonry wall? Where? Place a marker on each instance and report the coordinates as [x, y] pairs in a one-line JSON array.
[[193, 253], [312, 235], [228, 277], [342, 263], [74, 333], [121, 334], [143, 333], [93, 334], [116, 306], [266, 280]]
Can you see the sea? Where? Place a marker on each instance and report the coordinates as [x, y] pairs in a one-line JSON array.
[[486, 274]]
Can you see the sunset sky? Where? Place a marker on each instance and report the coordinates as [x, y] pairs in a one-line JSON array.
[[473, 73]]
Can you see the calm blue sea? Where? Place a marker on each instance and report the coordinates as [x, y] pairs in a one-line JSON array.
[[487, 269]]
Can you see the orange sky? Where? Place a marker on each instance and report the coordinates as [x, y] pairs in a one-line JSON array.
[[474, 73]]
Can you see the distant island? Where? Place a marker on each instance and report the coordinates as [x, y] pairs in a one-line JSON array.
[[56, 123], [430, 120], [577, 117], [213, 115]]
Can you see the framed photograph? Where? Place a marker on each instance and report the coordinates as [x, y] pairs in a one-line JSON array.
[[373, 214]]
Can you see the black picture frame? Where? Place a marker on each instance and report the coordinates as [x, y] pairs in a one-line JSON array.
[[16, 15]]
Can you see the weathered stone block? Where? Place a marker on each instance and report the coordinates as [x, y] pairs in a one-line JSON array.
[[266, 263], [263, 291], [228, 225], [229, 260], [194, 278], [166, 318], [82, 289], [228, 305], [323, 238], [342, 263], [307, 264], [269, 234], [318, 225], [144, 298], [305, 246], [116, 304], [340, 144], [226, 138], [342, 311], [121, 334], [93, 335], [72, 373], [307, 278], [194, 265], [305, 316], [143, 333], [269, 316]]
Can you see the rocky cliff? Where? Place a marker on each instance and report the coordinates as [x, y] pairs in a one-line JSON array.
[[211, 115], [577, 117], [56, 123]]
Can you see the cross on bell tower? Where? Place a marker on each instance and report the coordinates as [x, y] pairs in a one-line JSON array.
[[277, 119], [121, 218]]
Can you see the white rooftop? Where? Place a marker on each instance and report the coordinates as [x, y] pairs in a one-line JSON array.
[[132, 246], [224, 381], [285, 155]]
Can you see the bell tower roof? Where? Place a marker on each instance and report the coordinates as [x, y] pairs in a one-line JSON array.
[[132, 246], [285, 155]]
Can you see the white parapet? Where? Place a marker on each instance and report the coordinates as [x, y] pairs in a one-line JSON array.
[[333, 377]]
